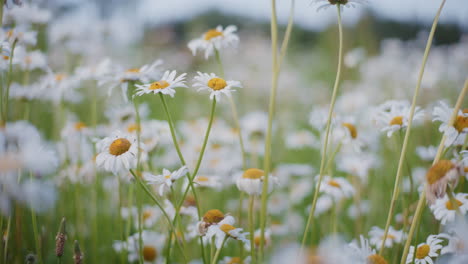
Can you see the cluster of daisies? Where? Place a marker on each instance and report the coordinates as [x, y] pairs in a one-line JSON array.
[[203, 177]]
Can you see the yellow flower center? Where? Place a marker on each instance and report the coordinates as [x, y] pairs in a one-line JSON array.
[[167, 176], [352, 129], [461, 123], [119, 146], [212, 33], [79, 126], [253, 174], [226, 228], [28, 60], [147, 214], [159, 85], [423, 251], [450, 206], [235, 260], [213, 216], [397, 120], [59, 77], [9, 34], [389, 236], [134, 70], [6, 57], [376, 259], [149, 253], [202, 179], [217, 84], [133, 128], [438, 171], [334, 183]]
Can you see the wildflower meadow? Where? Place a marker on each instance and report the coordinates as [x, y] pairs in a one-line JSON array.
[[224, 139]]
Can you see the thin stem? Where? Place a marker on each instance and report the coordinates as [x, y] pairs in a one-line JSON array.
[[271, 111], [422, 198], [205, 141], [182, 160], [10, 79], [7, 238], [327, 130], [235, 116], [216, 256], [155, 200], [252, 228], [36, 236], [396, 188]]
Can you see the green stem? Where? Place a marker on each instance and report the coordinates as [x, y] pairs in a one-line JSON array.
[[155, 200], [252, 228], [205, 141], [36, 236], [422, 197], [216, 256], [182, 160], [328, 128], [10, 79], [396, 188]]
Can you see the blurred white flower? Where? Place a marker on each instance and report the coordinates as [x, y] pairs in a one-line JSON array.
[[165, 85], [215, 39]]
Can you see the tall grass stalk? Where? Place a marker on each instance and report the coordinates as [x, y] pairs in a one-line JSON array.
[[401, 162], [276, 63], [422, 197], [327, 129]]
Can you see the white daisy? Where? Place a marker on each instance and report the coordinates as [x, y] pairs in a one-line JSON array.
[[208, 182], [117, 152], [301, 139], [216, 85], [393, 237], [444, 210], [363, 253], [251, 181], [425, 251], [165, 85], [152, 249], [393, 116], [223, 229], [336, 187], [426, 153], [166, 179], [455, 134], [215, 39]]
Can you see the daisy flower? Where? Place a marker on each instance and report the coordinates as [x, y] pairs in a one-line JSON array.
[[251, 181], [166, 179], [444, 210], [393, 237], [216, 85], [213, 217], [165, 85], [393, 116], [223, 230], [117, 152], [455, 134], [364, 253], [215, 39], [336, 187], [439, 175], [425, 252], [152, 247], [426, 153], [301, 139], [122, 77], [207, 182], [347, 3]]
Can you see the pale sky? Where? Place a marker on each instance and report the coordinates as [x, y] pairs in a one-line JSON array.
[[164, 11]]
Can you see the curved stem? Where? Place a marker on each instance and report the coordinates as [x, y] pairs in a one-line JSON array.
[[327, 130], [396, 188], [205, 141], [155, 200], [422, 198], [218, 251]]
